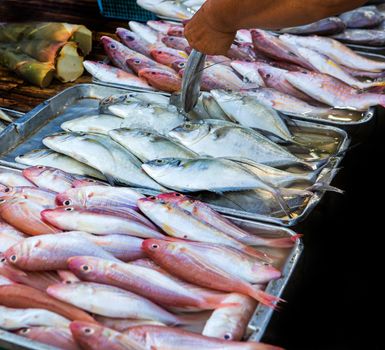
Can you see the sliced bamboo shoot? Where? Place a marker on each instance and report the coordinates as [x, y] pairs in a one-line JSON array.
[[69, 64], [83, 36], [42, 50]]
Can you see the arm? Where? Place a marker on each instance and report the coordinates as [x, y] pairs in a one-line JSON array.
[[213, 27]]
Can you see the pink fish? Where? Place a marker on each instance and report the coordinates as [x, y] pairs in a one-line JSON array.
[[167, 55], [45, 198], [177, 43], [161, 79], [118, 53], [9, 236], [10, 177], [5, 281], [121, 325], [176, 31], [88, 182], [67, 277], [160, 26], [133, 41], [139, 63]]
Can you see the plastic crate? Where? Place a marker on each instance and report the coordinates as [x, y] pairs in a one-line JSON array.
[[124, 9]]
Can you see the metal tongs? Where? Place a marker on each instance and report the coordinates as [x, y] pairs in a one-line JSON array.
[[191, 83]]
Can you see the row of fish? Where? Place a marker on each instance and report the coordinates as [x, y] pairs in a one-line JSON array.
[[179, 274]]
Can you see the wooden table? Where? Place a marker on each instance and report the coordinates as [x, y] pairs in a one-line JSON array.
[[19, 95]]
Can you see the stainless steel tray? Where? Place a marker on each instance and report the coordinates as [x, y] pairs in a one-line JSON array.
[[27, 133], [262, 314]]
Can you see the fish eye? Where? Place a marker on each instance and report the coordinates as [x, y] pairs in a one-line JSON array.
[[67, 202], [159, 161], [171, 39], [69, 209], [152, 197], [40, 167], [21, 155], [25, 331], [2, 260], [264, 263], [112, 46], [159, 52], [68, 282], [188, 125], [7, 189], [85, 268], [227, 336], [90, 180], [13, 258], [153, 73], [88, 330], [268, 75], [130, 38], [181, 65], [177, 194], [137, 61], [2, 201], [154, 246]]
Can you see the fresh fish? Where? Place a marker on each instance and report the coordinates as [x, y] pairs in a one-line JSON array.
[[49, 178], [21, 297], [49, 158], [84, 182], [243, 52], [362, 17], [148, 145], [179, 223], [160, 26], [11, 318], [371, 37], [9, 236], [66, 276], [161, 79], [248, 112], [121, 325], [176, 30], [139, 63], [40, 196], [182, 262], [326, 26], [158, 337], [167, 55], [215, 138], [134, 41], [154, 284], [96, 298], [230, 322], [336, 51], [55, 336], [103, 154], [177, 43], [99, 196], [100, 221], [243, 36], [51, 252], [273, 47], [5, 281], [98, 124], [249, 71], [333, 92], [113, 75], [95, 337], [147, 116], [168, 8], [10, 177], [212, 108], [118, 53], [24, 215], [148, 34]]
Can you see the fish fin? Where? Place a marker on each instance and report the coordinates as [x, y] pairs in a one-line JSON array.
[[265, 298], [284, 242], [320, 186]]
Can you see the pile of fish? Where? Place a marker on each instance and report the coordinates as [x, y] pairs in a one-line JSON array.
[[298, 75], [139, 140], [5, 119], [172, 9], [86, 265]]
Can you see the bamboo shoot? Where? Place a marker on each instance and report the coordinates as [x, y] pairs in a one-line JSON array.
[[69, 64]]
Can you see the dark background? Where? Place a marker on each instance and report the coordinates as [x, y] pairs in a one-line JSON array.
[[335, 295]]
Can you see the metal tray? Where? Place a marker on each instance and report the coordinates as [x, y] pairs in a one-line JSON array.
[[262, 314], [27, 133]]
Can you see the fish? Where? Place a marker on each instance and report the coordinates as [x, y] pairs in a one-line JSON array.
[[211, 107], [173, 9], [10, 177], [139, 63], [325, 26], [243, 36], [9, 236], [160, 26], [221, 139], [99, 221], [247, 111], [134, 41], [161, 79], [51, 252], [275, 48], [167, 55], [96, 298], [243, 52], [98, 124], [333, 92], [94, 337], [57, 337], [335, 50], [152, 283], [67, 277], [230, 322], [179, 260], [325, 65], [148, 145], [84, 182], [118, 53], [49, 178], [362, 17], [371, 37], [176, 30], [103, 154], [16, 318], [121, 325], [140, 115], [148, 34], [177, 43], [49, 158], [24, 215], [158, 337], [179, 223], [21, 297], [5, 281], [45, 198], [249, 71], [208, 215], [113, 75], [98, 196]]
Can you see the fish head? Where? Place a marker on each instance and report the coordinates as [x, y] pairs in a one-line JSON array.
[[70, 197], [137, 63], [89, 335], [34, 172], [173, 197], [190, 132], [20, 253], [88, 268], [179, 65], [58, 216], [114, 49], [266, 272], [126, 34], [158, 77], [154, 247], [7, 192], [159, 167], [176, 31], [269, 73], [116, 99], [167, 55]]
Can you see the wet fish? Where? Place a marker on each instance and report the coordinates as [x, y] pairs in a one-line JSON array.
[[160, 26], [10, 177], [212, 108], [336, 51], [51, 252], [121, 325], [67, 277], [148, 145], [333, 92], [139, 63], [161, 79], [39, 196], [113, 75], [249, 71], [49, 158], [9, 236], [84, 182], [167, 55], [95, 337], [173, 9], [154, 284], [134, 41], [100, 221], [98, 124], [177, 43], [11, 318], [103, 154], [148, 34], [243, 52], [24, 215], [96, 298], [176, 30], [118, 53], [326, 26], [55, 336], [371, 37], [362, 17], [179, 223], [230, 322]]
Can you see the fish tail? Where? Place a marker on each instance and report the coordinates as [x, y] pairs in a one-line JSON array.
[[284, 242], [320, 186], [265, 298], [282, 202]]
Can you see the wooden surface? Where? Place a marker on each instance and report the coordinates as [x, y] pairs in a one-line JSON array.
[[21, 96]]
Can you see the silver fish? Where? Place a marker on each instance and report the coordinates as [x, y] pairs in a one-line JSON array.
[[212, 108], [362, 17], [326, 26], [371, 37], [99, 124]]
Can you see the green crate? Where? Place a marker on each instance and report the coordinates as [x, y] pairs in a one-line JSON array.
[[124, 9]]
